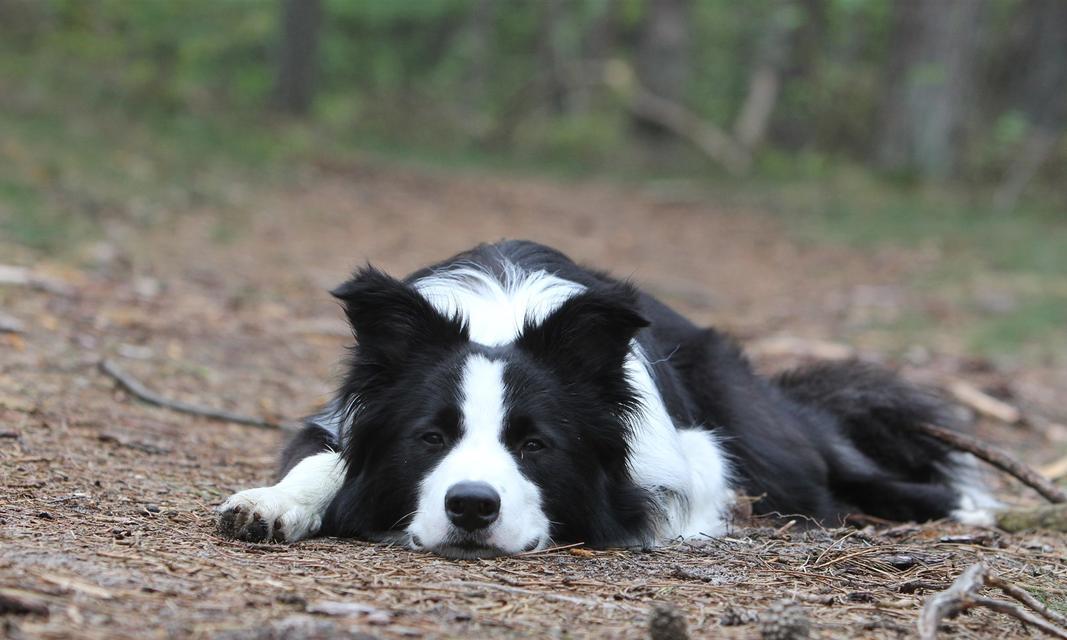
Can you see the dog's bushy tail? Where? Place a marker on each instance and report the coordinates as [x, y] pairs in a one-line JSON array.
[[876, 409], [913, 476]]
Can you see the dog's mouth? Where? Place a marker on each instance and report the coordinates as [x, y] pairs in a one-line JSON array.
[[470, 548]]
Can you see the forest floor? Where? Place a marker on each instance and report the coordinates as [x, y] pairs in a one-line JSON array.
[[106, 522]]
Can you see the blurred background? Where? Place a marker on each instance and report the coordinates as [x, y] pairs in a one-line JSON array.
[[183, 181], [886, 173]]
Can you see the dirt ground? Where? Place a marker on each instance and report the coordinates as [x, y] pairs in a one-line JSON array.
[[106, 524]]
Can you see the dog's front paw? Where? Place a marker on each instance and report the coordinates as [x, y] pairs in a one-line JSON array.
[[267, 514]]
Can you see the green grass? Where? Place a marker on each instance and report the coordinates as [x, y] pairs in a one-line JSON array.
[[1036, 330], [1019, 255], [68, 166], [1055, 603]]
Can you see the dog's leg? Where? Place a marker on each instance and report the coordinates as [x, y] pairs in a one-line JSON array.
[[288, 511]]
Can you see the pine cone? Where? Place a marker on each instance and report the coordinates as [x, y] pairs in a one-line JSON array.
[[667, 623], [784, 620], [736, 616]]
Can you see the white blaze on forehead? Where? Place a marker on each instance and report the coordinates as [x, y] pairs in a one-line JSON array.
[[480, 455], [483, 400], [496, 308]]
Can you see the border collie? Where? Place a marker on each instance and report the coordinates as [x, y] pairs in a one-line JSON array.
[[508, 399]]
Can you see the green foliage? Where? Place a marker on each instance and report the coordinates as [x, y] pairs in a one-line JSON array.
[[1036, 330], [142, 109], [982, 253], [453, 73]]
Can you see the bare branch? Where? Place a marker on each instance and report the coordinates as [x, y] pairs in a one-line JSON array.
[[1020, 614], [1023, 596], [950, 601], [998, 459], [24, 277], [963, 595], [984, 403], [134, 386], [715, 143]]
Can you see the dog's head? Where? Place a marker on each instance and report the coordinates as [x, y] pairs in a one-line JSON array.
[[471, 450]]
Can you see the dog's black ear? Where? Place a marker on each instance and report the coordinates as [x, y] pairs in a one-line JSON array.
[[392, 321], [589, 333]]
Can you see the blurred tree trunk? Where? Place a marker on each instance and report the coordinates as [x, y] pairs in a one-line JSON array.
[[776, 43], [933, 55], [1044, 95], [294, 87], [1045, 87], [552, 59], [803, 67], [478, 42], [663, 61]]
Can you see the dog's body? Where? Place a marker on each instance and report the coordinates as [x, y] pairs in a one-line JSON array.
[[508, 398]]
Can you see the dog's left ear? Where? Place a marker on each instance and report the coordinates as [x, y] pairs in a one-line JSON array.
[[391, 321], [589, 333]]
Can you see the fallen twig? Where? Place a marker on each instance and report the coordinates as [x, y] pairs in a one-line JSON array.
[[538, 552], [11, 324], [20, 601], [983, 403], [24, 277], [1055, 470], [776, 346], [718, 145], [1017, 612], [1023, 596], [998, 459], [134, 386], [963, 595]]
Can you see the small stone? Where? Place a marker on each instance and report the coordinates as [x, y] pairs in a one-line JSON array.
[[667, 623], [152, 508]]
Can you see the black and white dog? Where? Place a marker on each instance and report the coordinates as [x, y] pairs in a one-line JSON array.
[[508, 399]]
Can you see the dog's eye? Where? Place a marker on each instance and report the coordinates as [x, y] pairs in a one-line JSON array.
[[433, 438], [532, 445]]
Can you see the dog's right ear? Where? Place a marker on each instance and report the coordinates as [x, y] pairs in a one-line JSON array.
[[391, 321]]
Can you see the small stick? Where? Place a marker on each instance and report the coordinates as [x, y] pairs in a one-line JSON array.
[[1020, 614], [538, 552], [998, 459], [950, 601], [1055, 470], [963, 595], [1023, 596], [984, 403], [24, 277], [134, 386]]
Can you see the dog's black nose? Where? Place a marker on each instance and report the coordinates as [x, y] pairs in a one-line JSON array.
[[472, 505]]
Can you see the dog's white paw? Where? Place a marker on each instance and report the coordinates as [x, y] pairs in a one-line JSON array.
[[267, 514]]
